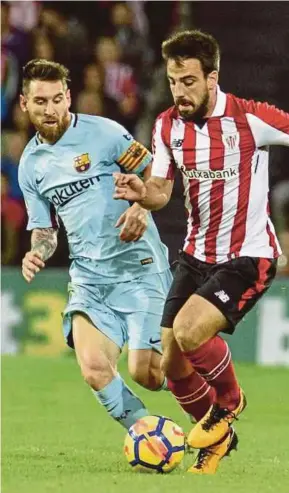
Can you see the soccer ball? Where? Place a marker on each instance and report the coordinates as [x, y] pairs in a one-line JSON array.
[[154, 444]]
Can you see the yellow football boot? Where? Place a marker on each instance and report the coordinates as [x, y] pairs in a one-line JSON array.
[[215, 424], [208, 459]]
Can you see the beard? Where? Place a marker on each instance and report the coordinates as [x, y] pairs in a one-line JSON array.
[[197, 113], [54, 133]]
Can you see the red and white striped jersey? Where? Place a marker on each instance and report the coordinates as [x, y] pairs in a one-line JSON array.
[[224, 166]]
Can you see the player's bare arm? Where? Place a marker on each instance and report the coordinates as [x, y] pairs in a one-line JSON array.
[[43, 245], [44, 242], [134, 220], [152, 195]]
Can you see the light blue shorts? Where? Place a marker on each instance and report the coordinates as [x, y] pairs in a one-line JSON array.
[[126, 312]]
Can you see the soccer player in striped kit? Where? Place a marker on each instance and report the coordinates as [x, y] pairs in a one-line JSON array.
[[219, 143]]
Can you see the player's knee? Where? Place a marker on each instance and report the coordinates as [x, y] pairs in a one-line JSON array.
[[96, 374], [149, 377], [188, 336]]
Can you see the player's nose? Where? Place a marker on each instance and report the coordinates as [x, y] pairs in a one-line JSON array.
[[49, 108], [178, 90]]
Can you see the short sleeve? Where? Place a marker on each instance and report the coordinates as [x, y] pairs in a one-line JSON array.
[[269, 125], [41, 213], [129, 154], [163, 165]]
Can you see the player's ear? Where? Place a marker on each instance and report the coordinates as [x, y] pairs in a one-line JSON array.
[[23, 103], [68, 97], [212, 80]]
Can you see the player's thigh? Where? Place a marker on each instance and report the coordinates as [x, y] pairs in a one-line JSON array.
[[174, 364], [88, 300], [188, 277], [197, 321], [231, 291], [92, 347], [140, 303]]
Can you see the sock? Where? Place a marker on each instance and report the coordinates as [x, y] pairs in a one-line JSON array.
[[193, 394], [121, 403], [212, 360], [164, 385]]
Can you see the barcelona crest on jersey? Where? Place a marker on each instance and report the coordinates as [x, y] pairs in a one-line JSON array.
[[82, 162]]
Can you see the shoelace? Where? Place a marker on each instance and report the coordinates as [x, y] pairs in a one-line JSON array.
[[216, 415], [203, 455]]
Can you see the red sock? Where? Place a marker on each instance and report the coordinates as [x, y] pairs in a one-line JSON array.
[[213, 361], [194, 394]]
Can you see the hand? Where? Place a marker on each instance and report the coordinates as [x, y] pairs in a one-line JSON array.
[[31, 264], [134, 222], [129, 187]]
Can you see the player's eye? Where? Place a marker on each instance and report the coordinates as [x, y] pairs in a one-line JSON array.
[[171, 82], [57, 100], [189, 82]]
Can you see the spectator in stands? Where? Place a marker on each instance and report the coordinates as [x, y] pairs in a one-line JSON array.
[[13, 40], [43, 47], [9, 83], [119, 81], [13, 209], [90, 103], [133, 41], [68, 37]]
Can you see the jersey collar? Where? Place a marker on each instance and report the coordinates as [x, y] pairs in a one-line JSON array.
[[220, 105]]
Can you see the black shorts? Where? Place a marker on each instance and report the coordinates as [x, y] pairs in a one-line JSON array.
[[233, 287]]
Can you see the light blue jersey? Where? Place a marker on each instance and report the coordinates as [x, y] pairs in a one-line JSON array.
[[73, 179]]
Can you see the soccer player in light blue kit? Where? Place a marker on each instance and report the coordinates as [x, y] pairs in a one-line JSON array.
[[119, 279]]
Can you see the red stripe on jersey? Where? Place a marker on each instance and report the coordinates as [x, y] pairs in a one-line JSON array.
[[247, 149], [272, 238], [263, 268], [166, 138], [217, 153], [189, 160]]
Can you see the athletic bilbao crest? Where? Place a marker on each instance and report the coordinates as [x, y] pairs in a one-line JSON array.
[[82, 162], [231, 141]]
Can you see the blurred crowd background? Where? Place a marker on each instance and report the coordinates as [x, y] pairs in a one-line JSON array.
[[113, 52]]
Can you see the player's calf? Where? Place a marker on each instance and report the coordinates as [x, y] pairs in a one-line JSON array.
[[145, 369]]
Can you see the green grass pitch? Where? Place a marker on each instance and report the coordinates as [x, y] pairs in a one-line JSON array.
[[56, 438]]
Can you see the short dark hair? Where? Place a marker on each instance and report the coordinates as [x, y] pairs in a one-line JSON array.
[[41, 69], [193, 44]]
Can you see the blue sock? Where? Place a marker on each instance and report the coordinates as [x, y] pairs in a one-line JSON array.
[[121, 403]]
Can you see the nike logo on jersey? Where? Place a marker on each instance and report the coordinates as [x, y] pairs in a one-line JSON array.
[[39, 181]]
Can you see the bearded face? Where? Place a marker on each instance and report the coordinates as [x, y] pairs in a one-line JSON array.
[[190, 87], [47, 104]]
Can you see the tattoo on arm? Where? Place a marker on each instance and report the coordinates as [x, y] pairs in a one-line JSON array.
[[44, 241]]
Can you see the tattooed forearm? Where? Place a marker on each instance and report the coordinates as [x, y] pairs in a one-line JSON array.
[[44, 241]]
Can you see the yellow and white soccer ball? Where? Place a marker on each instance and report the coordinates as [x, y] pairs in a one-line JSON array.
[[154, 444]]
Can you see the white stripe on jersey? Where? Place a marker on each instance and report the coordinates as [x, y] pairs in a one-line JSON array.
[[161, 157], [257, 217], [178, 133], [202, 159], [231, 193]]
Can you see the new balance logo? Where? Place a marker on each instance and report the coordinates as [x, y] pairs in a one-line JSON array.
[[177, 142], [222, 296]]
